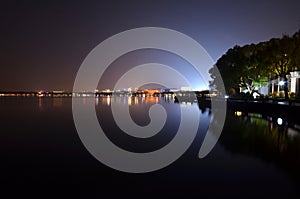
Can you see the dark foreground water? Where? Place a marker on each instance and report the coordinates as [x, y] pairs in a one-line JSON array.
[[43, 156]]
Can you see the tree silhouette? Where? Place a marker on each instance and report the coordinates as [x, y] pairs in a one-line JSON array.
[[252, 65]]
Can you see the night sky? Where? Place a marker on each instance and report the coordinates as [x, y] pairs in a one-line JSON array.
[[43, 43]]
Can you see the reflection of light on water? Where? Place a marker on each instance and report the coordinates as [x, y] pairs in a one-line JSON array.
[[269, 118], [97, 101], [143, 98], [117, 99], [274, 128], [238, 113], [258, 118], [40, 103], [183, 105], [129, 101], [297, 126], [156, 100], [255, 115], [271, 126], [188, 106], [259, 121], [150, 100], [282, 103], [279, 121], [57, 102], [108, 100], [292, 133]]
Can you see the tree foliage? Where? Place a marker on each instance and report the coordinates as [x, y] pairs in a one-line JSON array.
[[253, 65]]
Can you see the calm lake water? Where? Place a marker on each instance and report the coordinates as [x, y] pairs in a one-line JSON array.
[[42, 154]]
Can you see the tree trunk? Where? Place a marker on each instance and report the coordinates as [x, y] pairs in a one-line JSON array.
[[286, 92]]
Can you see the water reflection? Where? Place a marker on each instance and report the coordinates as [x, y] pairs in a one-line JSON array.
[[274, 121], [58, 102], [271, 139], [139, 107], [134, 100], [49, 102], [254, 154]]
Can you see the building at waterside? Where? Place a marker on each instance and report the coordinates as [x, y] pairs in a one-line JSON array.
[[276, 86]]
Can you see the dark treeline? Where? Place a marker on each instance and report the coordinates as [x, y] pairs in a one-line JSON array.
[[254, 65]]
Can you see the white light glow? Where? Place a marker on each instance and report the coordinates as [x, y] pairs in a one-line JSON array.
[[281, 83], [238, 113], [108, 100], [279, 121], [293, 85], [255, 95]]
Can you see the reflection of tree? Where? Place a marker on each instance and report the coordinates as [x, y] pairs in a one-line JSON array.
[[203, 104], [263, 140]]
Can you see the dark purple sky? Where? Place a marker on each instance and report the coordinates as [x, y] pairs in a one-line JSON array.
[[44, 42]]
